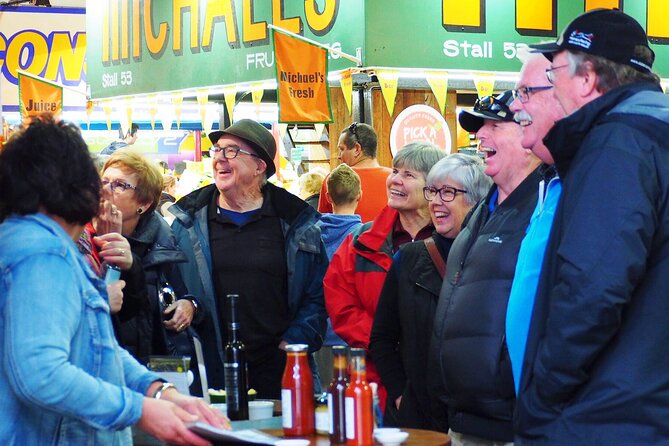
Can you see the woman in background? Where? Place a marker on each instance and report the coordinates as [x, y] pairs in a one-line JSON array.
[[134, 185]]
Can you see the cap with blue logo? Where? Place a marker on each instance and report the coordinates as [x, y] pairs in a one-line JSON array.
[[607, 33]]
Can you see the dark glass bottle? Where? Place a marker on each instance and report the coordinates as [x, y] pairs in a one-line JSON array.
[[336, 395], [236, 396]]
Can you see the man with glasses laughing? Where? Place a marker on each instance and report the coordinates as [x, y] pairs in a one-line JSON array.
[[472, 374], [245, 236], [595, 368]]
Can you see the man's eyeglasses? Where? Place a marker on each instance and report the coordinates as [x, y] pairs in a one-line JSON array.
[[447, 193], [229, 152], [523, 94], [118, 185], [550, 72]]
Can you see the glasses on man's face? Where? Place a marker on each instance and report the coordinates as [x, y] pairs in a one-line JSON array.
[[447, 193], [117, 186], [550, 72], [523, 93], [229, 152]]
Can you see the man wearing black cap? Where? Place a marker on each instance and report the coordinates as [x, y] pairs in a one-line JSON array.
[[596, 368], [245, 236], [470, 370]]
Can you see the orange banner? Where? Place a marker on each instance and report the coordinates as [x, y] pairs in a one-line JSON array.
[[302, 79], [37, 96]]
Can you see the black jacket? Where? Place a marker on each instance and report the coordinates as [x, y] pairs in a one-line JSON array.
[[596, 368], [153, 246], [468, 345], [402, 328]]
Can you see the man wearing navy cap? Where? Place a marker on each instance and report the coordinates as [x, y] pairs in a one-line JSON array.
[[470, 366], [245, 236], [596, 364]]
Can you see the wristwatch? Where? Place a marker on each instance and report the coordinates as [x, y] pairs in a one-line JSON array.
[[163, 387]]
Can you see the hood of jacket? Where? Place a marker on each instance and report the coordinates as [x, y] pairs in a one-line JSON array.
[[335, 226]]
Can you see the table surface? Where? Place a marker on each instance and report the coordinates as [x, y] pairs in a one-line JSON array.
[[417, 437]]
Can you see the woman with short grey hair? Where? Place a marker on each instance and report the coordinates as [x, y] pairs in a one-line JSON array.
[[403, 321], [358, 268]]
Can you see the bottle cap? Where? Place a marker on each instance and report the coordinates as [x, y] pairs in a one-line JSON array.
[[297, 347], [357, 352]]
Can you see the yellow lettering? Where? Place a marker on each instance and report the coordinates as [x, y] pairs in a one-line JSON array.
[[179, 7], [114, 32], [594, 4], [463, 15], [320, 23], [252, 31], [293, 24], [155, 44], [136, 31], [67, 57], [105, 33], [536, 17], [37, 53], [219, 8], [125, 35], [658, 28]]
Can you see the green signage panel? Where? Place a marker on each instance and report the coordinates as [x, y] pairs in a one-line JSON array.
[[485, 34], [144, 46]]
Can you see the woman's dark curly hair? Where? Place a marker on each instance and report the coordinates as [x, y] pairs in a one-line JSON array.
[[46, 167]]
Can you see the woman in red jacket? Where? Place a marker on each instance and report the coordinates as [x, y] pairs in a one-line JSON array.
[[358, 269]]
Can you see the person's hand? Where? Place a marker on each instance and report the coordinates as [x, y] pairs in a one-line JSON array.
[[183, 315], [398, 401], [115, 249], [115, 293], [109, 219], [166, 421], [282, 345], [197, 406]]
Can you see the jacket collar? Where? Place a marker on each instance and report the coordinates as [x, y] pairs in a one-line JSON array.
[[565, 138], [374, 236]]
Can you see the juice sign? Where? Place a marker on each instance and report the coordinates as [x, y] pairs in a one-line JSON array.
[[49, 42]]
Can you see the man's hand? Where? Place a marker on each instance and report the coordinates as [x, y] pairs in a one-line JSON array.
[[167, 422]]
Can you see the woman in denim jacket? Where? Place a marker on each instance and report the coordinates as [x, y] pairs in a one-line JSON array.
[[63, 377]]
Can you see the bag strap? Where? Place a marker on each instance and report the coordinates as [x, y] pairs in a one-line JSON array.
[[436, 256]]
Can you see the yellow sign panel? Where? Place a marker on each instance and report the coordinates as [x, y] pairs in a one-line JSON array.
[[37, 96], [658, 26], [536, 17], [467, 14], [594, 4]]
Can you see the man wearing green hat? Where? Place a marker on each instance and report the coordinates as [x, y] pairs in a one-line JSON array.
[[245, 236]]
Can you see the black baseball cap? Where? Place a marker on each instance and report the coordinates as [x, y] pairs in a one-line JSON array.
[[495, 108], [607, 33], [256, 135]]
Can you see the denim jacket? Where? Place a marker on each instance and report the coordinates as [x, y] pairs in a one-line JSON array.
[[63, 379]]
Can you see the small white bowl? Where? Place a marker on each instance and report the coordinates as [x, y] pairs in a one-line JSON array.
[[259, 410], [293, 442], [392, 438]]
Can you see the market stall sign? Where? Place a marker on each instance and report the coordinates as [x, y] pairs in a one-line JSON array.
[[36, 96], [144, 46], [47, 42], [486, 35], [301, 75], [419, 123]]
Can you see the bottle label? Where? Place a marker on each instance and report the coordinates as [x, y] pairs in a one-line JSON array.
[[287, 408], [331, 413], [322, 420], [232, 381], [350, 417]]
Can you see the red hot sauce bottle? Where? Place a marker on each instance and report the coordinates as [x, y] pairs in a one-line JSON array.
[[297, 393]]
